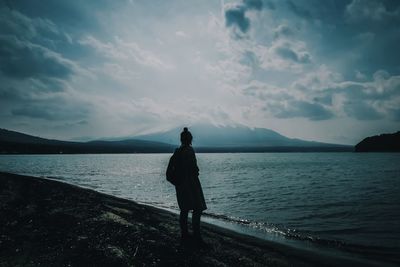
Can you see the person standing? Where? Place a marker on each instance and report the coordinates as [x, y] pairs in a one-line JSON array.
[[188, 190]]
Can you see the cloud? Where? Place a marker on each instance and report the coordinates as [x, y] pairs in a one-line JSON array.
[[299, 108], [283, 31], [51, 111], [395, 114], [249, 58], [72, 15], [283, 55], [181, 34], [125, 67], [298, 10], [253, 4], [319, 79], [359, 35], [21, 91], [235, 15], [361, 110], [27, 48], [44, 100], [264, 91], [360, 76], [35, 73], [41, 103], [23, 59], [286, 52], [364, 100], [13, 22], [285, 103], [383, 87], [324, 94], [359, 10], [126, 51]]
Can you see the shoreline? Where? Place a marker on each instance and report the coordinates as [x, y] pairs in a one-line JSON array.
[[50, 222]]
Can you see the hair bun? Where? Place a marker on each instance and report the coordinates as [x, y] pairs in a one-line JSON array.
[[185, 129]]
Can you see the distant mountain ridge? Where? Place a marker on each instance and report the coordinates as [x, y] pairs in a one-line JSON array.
[[207, 138], [17, 137], [380, 143], [19, 143], [207, 135]]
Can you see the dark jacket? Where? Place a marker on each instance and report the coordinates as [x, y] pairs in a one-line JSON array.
[[189, 192]]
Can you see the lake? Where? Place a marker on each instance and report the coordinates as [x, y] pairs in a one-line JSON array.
[[347, 202]]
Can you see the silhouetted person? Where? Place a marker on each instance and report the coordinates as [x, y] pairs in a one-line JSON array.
[[188, 191]]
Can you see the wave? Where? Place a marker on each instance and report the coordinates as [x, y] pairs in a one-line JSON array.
[[294, 234], [378, 252]]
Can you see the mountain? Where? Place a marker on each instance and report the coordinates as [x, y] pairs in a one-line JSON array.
[[207, 138], [16, 137], [237, 138], [380, 143], [19, 143]]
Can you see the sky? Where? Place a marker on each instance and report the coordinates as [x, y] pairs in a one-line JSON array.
[[316, 70]]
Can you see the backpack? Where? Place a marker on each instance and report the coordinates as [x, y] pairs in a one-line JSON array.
[[174, 175]]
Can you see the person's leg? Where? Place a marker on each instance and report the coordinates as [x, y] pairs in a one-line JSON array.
[[183, 218], [196, 223]]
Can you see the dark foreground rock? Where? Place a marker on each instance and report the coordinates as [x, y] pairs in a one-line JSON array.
[[49, 223]]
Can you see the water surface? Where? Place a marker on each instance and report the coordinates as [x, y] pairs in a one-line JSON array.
[[348, 201]]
